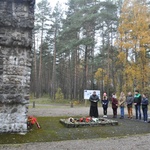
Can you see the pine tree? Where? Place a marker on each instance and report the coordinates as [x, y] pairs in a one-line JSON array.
[[42, 17]]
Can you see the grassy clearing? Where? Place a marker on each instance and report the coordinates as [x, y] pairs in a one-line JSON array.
[[52, 130], [48, 101]]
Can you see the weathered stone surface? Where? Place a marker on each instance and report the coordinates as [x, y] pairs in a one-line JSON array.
[[16, 24], [11, 121]]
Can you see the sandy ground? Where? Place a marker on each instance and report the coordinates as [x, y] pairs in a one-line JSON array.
[[53, 110], [137, 142]]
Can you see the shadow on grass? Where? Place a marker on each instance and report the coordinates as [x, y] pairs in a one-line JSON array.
[[52, 130]]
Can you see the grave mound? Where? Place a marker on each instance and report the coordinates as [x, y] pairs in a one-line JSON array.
[[88, 121]]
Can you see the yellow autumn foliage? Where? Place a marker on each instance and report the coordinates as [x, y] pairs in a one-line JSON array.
[[99, 74], [121, 57], [133, 40]]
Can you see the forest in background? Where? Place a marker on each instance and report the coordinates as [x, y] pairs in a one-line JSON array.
[[91, 44]]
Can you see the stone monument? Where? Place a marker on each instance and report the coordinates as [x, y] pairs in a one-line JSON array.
[[16, 24]]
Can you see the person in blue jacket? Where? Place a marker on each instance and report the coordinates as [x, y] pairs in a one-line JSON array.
[[105, 104], [144, 107]]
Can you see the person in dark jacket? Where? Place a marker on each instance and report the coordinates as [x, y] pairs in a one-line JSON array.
[[114, 105], [93, 107], [129, 102], [105, 104], [144, 107], [137, 104]]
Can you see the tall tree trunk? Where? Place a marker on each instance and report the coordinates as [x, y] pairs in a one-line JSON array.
[[54, 68], [40, 64], [35, 71], [75, 75], [84, 83], [92, 66], [108, 65], [103, 43], [112, 66]]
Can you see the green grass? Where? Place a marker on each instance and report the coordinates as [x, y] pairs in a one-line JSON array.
[[44, 100], [52, 130], [47, 100]]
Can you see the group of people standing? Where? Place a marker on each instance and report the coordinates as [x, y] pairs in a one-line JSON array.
[[123, 101]]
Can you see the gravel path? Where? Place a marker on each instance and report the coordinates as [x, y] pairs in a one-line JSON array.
[[126, 143], [53, 110], [137, 142]]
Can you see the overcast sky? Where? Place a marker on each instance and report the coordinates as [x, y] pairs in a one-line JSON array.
[[53, 2]]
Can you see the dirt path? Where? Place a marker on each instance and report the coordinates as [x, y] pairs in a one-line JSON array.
[[51, 110], [126, 143]]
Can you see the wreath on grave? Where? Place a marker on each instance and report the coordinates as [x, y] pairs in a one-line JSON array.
[[32, 121]]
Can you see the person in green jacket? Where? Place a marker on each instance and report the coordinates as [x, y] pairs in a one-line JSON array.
[[137, 104]]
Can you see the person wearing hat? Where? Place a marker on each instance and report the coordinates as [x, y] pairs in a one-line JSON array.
[[93, 107], [137, 104], [105, 104]]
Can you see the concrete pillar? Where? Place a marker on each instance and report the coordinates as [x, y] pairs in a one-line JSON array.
[[16, 24]]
